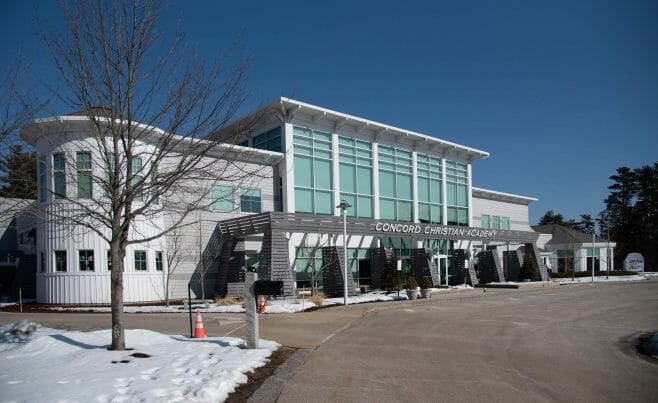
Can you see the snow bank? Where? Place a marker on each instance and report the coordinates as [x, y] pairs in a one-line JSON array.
[[41, 364]]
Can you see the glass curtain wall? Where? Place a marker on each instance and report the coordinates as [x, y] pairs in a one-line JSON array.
[[457, 189], [313, 175], [429, 189], [355, 167], [395, 184]]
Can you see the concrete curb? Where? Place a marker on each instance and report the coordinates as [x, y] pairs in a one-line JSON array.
[[270, 390]]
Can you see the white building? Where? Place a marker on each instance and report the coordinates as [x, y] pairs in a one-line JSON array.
[[408, 192]]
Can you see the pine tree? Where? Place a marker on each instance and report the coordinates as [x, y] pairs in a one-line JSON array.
[[529, 270], [18, 174]]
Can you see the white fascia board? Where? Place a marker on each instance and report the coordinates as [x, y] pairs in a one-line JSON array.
[[475, 153], [31, 132], [503, 196]]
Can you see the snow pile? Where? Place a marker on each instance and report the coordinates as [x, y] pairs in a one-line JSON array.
[[20, 332], [602, 279], [53, 365]]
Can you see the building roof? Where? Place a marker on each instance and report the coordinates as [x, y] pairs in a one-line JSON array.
[[500, 196], [562, 235], [286, 108]]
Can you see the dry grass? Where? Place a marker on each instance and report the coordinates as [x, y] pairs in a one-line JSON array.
[[318, 299], [226, 301]]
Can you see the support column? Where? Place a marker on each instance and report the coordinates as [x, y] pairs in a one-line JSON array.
[[251, 311]]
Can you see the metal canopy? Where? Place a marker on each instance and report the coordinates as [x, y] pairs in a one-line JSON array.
[[325, 224]]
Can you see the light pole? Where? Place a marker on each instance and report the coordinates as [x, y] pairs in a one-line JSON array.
[[593, 253], [343, 206]]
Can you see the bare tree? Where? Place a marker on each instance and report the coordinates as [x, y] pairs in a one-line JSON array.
[[111, 57], [17, 106], [174, 255]]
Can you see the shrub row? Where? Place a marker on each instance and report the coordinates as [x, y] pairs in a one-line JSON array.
[[596, 273]]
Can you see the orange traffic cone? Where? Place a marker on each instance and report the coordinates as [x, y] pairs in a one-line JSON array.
[[199, 331], [261, 303]]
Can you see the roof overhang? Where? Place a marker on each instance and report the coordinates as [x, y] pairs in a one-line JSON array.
[[500, 196]]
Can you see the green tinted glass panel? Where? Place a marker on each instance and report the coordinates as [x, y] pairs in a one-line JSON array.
[[404, 211], [322, 174], [303, 201], [485, 221], [404, 185], [346, 177], [423, 189], [365, 206], [387, 209], [303, 171], [323, 202], [436, 214], [351, 200], [424, 213], [364, 180], [504, 223], [386, 184]]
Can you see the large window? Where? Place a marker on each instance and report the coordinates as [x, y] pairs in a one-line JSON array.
[[429, 189], [83, 166], [222, 198], [457, 189], [565, 261], [59, 175], [86, 260], [313, 173], [60, 260], [494, 222], [158, 261], [140, 260], [395, 184], [270, 140], [308, 267], [136, 180], [356, 176], [250, 200], [43, 189]]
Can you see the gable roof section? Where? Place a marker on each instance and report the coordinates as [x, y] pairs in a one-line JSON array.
[[562, 235]]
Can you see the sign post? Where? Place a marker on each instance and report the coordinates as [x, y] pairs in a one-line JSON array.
[[250, 307]]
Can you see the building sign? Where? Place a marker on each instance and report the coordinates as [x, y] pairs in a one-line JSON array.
[[634, 262], [432, 229]]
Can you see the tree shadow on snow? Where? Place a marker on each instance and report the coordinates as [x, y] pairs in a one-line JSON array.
[[72, 342]]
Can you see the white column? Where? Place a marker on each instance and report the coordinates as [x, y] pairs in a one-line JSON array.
[[375, 179], [444, 193], [288, 175], [470, 194], [414, 186], [335, 171]]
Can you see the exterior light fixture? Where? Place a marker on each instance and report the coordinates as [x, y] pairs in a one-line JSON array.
[[343, 206]]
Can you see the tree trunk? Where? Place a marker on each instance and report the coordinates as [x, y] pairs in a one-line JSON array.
[[118, 254]]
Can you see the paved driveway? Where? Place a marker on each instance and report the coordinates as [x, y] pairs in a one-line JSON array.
[[566, 343]]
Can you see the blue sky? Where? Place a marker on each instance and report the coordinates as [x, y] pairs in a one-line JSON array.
[[559, 93]]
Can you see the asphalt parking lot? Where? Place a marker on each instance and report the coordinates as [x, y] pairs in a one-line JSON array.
[[562, 343]]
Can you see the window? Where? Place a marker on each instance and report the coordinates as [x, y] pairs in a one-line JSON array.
[[155, 195], [43, 189], [565, 261], [355, 175], [250, 200], [270, 140], [313, 173], [222, 198], [158, 260], [59, 175], [60, 260], [395, 184], [457, 193], [140, 260], [495, 222], [504, 223], [486, 223], [137, 178], [429, 189], [109, 260], [86, 260], [83, 165]]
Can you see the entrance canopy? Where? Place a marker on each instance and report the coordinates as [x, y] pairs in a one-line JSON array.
[[311, 223]]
